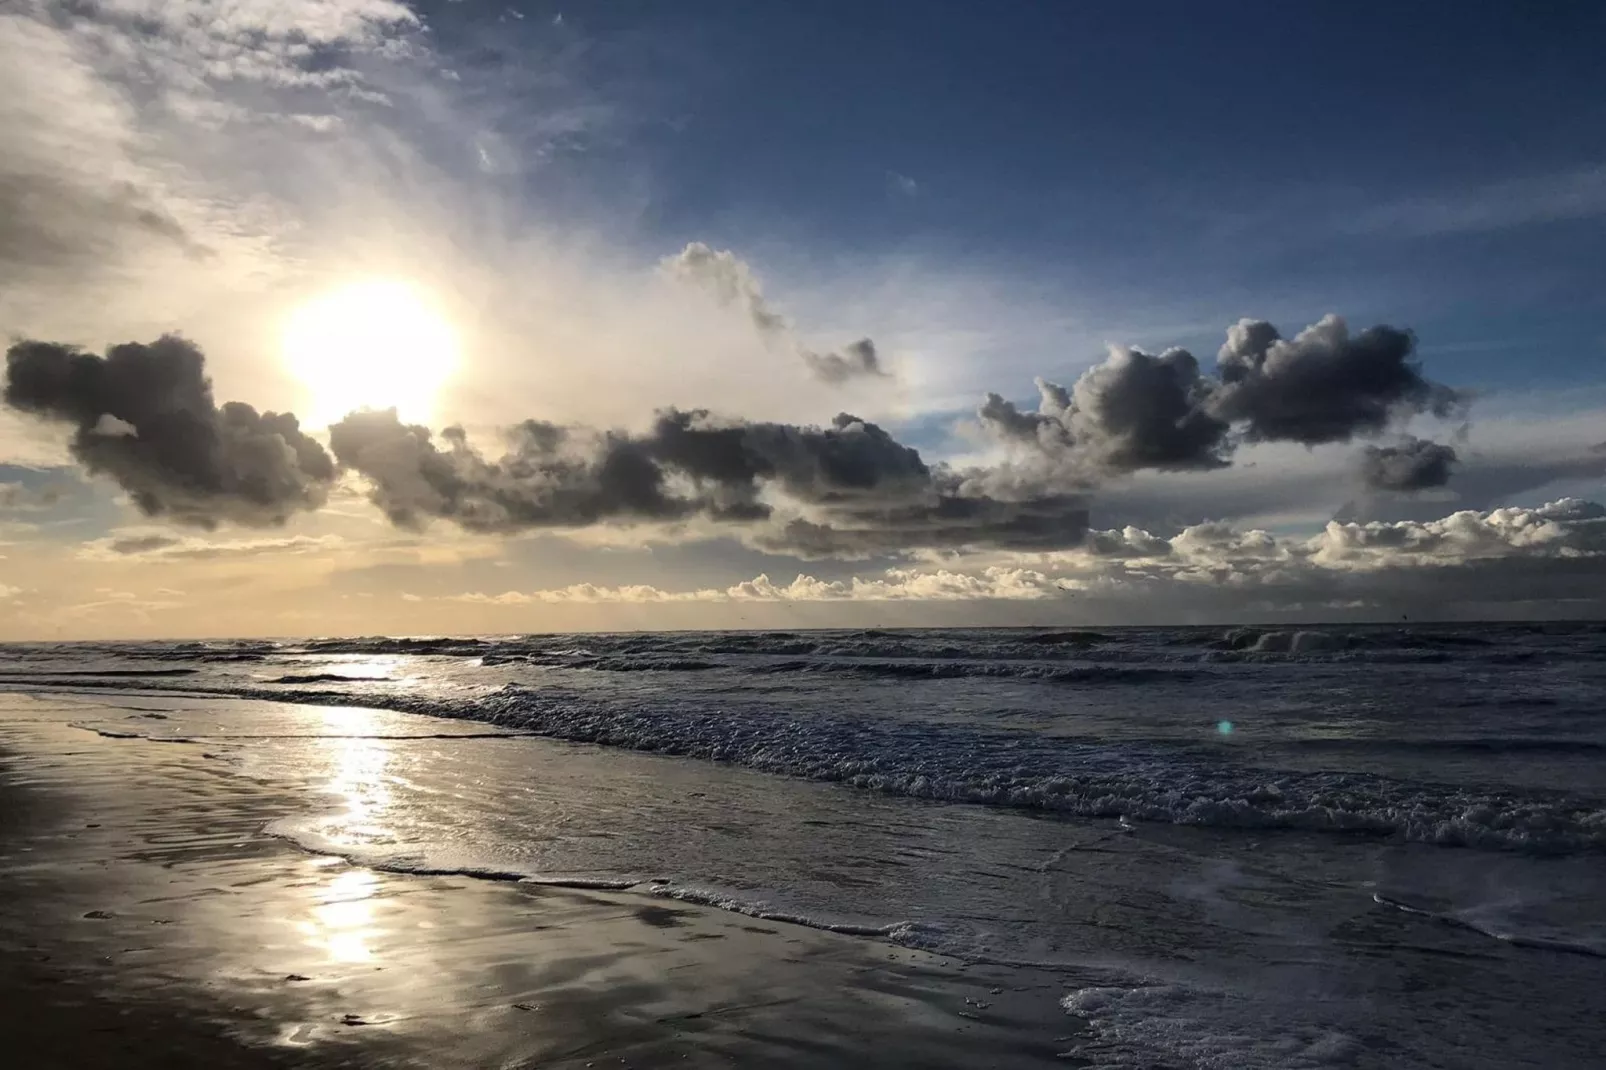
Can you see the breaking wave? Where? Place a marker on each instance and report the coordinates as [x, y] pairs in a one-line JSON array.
[[971, 764]]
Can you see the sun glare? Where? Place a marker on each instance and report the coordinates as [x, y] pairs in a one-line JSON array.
[[376, 344]]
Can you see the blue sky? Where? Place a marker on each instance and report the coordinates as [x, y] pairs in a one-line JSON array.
[[1440, 163], [609, 210]]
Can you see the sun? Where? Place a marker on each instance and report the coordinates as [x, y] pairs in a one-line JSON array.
[[374, 344]]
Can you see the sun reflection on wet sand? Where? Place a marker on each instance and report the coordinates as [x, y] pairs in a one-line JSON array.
[[358, 777], [342, 921]]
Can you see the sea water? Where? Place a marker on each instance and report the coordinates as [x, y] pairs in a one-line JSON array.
[[1378, 846]]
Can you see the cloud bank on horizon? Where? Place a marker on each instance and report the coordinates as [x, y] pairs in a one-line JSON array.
[[646, 418]]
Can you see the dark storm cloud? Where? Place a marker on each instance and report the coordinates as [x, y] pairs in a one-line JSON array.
[[1415, 464], [865, 491], [1322, 385], [1134, 411], [1139, 411], [145, 415]]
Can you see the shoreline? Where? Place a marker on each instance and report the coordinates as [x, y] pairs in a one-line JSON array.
[[143, 893]]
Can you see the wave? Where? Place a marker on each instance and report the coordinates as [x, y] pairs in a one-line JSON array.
[[971, 764], [114, 673], [1158, 1024], [1459, 745], [644, 664], [951, 670], [1400, 645], [303, 833], [1424, 644], [374, 645], [898, 932], [1562, 945], [329, 678], [833, 662], [1073, 638]]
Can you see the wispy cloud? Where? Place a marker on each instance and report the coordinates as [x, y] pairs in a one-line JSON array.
[[158, 545], [902, 185], [1553, 198]]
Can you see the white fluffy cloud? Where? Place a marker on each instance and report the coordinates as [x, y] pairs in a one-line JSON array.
[[1571, 532], [894, 585]]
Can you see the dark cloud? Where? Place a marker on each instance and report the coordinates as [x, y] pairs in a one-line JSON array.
[[546, 478], [1137, 411], [1132, 412], [1415, 464], [125, 545], [145, 415], [1487, 480], [1322, 385], [862, 490], [942, 519], [1141, 411]]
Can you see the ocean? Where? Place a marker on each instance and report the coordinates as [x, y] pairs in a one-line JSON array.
[[1238, 847]]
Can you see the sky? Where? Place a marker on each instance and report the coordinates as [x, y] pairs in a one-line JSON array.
[[361, 316]]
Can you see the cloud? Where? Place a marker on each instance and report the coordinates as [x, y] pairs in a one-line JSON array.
[[1415, 464], [1494, 557], [732, 283], [729, 280], [1138, 411], [24, 497], [845, 489], [1569, 528], [7, 592], [902, 185], [73, 195], [118, 603], [894, 585], [1322, 385], [856, 359], [145, 415], [186, 458], [151, 545], [100, 103], [1552, 198]]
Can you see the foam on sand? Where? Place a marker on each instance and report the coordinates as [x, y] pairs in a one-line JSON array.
[[1173, 1025]]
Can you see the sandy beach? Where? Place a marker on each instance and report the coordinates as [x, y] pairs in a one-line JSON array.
[[149, 919]]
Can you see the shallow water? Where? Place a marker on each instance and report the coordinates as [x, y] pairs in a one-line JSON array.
[[1374, 846]]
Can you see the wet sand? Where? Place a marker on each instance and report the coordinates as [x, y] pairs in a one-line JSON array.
[[147, 919]]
